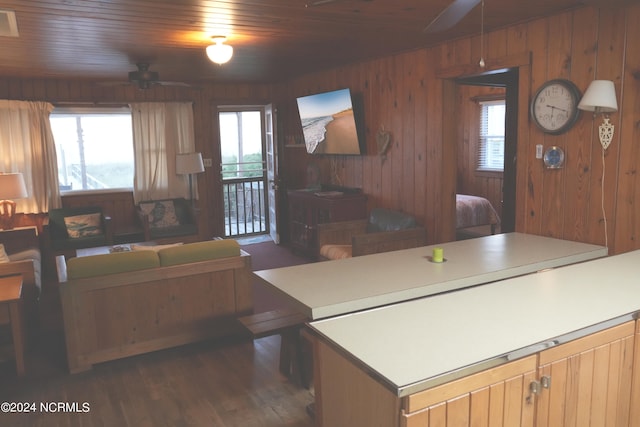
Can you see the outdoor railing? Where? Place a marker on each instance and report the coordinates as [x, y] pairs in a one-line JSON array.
[[244, 206]]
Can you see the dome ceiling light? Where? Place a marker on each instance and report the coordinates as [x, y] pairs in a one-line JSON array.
[[219, 52]]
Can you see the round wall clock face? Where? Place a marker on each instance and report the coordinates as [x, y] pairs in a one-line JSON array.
[[554, 107], [553, 157]]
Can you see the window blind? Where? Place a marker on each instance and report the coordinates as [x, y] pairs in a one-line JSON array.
[[491, 135]]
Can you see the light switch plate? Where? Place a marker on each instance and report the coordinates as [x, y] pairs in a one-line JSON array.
[[539, 151], [207, 163]]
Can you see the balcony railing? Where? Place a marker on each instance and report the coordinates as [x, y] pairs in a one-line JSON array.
[[245, 206]]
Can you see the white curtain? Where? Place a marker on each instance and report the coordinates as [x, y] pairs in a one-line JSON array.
[[160, 132], [27, 146]]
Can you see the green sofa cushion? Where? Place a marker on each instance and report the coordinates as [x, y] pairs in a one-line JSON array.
[[117, 262], [199, 251]]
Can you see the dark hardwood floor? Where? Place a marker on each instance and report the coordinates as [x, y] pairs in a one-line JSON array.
[[229, 383]]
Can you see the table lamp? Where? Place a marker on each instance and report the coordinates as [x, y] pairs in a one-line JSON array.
[[11, 187], [188, 164]]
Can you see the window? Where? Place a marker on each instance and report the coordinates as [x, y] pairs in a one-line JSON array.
[[241, 144], [94, 147], [491, 143]]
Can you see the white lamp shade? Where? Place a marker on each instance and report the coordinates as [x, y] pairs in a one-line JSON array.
[[599, 97], [12, 186], [219, 52], [188, 163]]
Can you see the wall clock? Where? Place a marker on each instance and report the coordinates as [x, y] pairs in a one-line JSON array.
[[553, 158], [554, 107]]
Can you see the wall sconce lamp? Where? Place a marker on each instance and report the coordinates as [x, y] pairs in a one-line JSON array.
[[11, 187], [600, 98], [188, 164], [219, 52]]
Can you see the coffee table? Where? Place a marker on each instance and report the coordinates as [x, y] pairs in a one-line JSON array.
[[102, 250]]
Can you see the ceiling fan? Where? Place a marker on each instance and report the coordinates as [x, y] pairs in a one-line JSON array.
[[143, 78]]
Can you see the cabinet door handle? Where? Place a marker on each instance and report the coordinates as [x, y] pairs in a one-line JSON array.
[[545, 381], [535, 387]]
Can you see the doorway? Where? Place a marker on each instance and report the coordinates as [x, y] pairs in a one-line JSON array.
[[506, 84], [243, 170]]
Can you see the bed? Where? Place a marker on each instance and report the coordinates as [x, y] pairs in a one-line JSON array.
[[473, 211]]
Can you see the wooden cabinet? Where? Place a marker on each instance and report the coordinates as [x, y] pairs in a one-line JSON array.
[[634, 415], [497, 397], [590, 381], [307, 209], [346, 395]]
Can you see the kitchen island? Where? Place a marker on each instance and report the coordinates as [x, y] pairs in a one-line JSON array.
[[327, 289], [554, 348]]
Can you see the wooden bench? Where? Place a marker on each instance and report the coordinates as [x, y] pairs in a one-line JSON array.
[[287, 323]]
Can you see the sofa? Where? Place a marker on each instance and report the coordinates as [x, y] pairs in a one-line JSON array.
[[153, 297], [383, 231], [20, 254]]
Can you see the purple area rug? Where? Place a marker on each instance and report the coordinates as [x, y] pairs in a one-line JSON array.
[[265, 256]]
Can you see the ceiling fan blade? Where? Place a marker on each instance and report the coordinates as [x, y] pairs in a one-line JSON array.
[[113, 83], [318, 3], [449, 17], [164, 83]]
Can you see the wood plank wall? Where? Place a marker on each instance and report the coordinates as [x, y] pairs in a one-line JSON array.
[[404, 95]]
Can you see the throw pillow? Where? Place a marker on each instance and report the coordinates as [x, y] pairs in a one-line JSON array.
[[83, 225], [156, 248], [160, 214], [3, 255]]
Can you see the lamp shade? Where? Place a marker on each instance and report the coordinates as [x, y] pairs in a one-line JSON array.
[[188, 163], [599, 97], [219, 52], [12, 186]]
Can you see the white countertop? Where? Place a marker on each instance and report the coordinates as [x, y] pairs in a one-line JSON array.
[[418, 344], [331, 288]]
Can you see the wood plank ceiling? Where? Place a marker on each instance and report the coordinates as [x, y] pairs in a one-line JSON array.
[[274, 40]]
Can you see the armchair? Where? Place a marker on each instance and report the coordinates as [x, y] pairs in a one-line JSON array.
[[68, 229], [168, 220], [385, 230], [20, 255]]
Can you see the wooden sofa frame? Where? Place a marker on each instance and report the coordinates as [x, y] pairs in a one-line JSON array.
[[119, 315], [355, 233]]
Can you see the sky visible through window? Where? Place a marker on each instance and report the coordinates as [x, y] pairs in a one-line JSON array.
[[492, 129], [94, 151]]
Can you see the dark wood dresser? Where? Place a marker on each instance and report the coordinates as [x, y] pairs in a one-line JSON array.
[[309, 208]]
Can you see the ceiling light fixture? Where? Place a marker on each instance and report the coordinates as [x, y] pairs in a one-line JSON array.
[[219, 52]]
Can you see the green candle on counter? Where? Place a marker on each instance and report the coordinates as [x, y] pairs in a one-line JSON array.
[[438, 255]]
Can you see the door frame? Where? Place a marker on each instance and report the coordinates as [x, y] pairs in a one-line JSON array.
[[509, 80], [449, 77], [261, 108]]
